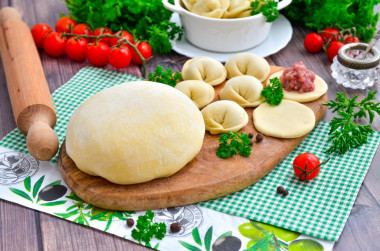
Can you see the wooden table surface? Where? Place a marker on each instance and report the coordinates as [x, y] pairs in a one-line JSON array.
[[25, 229]]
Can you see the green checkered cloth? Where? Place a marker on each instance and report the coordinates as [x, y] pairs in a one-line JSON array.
[[318, 208]]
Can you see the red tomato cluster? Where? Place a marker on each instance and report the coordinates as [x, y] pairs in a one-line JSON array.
[[106, 50], [330, 39]]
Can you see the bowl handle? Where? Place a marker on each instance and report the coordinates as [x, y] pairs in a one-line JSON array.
[[283, 4], [174, 8]]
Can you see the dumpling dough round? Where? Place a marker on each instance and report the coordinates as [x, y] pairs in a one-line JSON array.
[[247, 64], [198, 91], [289, 119], [223, 116], [238, 9], [244, 90], [210, 8], [320, 89], [135, 132], [206, 69]]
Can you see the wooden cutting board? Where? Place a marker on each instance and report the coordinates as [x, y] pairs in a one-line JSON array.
[[205, 177]]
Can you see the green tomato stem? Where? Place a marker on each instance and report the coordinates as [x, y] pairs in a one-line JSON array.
[[112, 36]]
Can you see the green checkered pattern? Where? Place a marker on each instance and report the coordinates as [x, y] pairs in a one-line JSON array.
[[318, 208], [87, 82]]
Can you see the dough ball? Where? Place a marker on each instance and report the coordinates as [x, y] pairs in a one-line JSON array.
[[247, 64], [244, 90], [238, 9], [210, 8], [198, 91], [135, 132], [223, 116], [206, 69], [289, 119], [319, 90]]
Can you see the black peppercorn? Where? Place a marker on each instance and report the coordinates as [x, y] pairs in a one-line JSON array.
[[175, 227], [280, 189], [259, 137], [251, 143], [285, 193], [250, 135], [130, 222]]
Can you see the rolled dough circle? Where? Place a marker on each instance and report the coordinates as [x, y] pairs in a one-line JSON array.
[[320, 89], [135, 132], [289, 119]]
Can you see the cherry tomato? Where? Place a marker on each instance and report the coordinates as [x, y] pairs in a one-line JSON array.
[[145, 50], [329, 33], [65, 24], [103, 31], [120, 57], [123, 34], [333, 49], [82, 29], [39, 32], [54, 44], [97, 53], [76, 48], [306, 166], [313, 42], [350, 39]]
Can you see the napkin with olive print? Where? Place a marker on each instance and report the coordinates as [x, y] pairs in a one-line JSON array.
[[20, 183]]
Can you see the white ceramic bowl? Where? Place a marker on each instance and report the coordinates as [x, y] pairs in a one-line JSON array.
[[223, 35]]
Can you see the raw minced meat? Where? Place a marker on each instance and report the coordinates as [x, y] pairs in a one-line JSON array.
[[298, 78]]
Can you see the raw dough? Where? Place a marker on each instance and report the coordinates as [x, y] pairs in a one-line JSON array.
[[244, 90], [210, 8], [223, 116], [247, 64], [198, 91], [238, 9], [320, 89], [289, 119], [206, 69], [135, 132]]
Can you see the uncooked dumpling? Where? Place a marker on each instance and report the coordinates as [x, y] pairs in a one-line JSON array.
[[206, 69], [289, 119], [135, 132], [244, 90], [210, 8], [223, 116], [247, 64], [198, 91], [188, 4], [319, 90], [238, 9]]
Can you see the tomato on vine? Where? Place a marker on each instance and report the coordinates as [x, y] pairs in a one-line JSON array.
[[307, 166], [65, 24], [313, 42], [124, 34], [330, 33], [120, 57], [75, 48], [103, 31], [82, 29], [39, 32], [54, 44], [145, 50], [97, 53], [333, 49]]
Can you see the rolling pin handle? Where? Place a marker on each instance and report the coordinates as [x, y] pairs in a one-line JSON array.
[[42, 141]]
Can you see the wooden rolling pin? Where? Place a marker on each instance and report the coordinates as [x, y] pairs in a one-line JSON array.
[[32, 105]]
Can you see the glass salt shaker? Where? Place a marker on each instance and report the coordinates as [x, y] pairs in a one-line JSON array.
[[350, 69]]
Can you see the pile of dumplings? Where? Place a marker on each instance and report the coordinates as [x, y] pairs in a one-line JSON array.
[[219, 8], [245, 73]]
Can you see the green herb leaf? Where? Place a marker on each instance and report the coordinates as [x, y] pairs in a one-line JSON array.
[[237, 143], [27, 183], [273, 92], [57, 182], [54, 203], [196, 236], [344, 133], [37, 186], [167, 77], [208, 238], [146, 229], [229, 233], [267, 7], [67, 215], [189, 246], [21, 193]]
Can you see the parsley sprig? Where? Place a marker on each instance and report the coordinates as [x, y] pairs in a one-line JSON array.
[[273, 92], [230, 143], [344, 133], [146, 229], [167, 77], [267, 7]]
